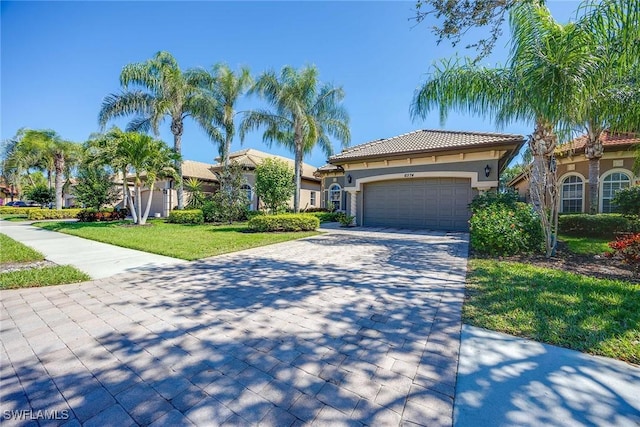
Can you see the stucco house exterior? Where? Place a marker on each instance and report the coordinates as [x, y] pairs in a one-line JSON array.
[[165, 196], [616, 172], [422, 179]]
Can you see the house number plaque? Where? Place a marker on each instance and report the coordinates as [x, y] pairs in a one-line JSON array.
[[408, 175]]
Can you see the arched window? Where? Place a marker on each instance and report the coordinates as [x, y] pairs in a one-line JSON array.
[[249, 191], [610, 185], [572, 191], [335, 196]]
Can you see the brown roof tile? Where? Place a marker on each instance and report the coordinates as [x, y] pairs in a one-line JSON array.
[[251, 158], [609, 140], [424, 141], [200, 170]]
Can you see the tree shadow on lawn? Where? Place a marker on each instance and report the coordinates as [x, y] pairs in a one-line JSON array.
[[328, 329]]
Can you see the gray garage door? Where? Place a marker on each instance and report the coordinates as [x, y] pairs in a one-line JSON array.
[[430, 203]]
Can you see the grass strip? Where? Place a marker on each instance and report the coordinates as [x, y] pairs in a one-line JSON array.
[[45, 276]]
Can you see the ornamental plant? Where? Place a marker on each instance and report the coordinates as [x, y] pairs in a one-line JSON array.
[[627, 249]]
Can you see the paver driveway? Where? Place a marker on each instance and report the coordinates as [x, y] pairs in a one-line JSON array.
[[354, 327]]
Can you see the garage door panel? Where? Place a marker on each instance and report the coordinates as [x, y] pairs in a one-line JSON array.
[[431, 203]]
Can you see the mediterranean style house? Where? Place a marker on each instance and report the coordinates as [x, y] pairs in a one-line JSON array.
[[422, 179], [616, 172], [165, 198]]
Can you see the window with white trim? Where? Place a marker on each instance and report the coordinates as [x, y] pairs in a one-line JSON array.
[[572, 191], [611, 184], [335, 196], [249, 191], [312, 198]]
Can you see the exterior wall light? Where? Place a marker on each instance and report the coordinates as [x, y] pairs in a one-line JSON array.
[[487, 171], [349, 178]]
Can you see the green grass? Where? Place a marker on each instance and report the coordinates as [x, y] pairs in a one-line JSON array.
[[12, 251], [586, 245], [591, 315], [46, 276], [14, 217], [188, 242]]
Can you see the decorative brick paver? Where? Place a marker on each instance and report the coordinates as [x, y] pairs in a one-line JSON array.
[[354, 327]]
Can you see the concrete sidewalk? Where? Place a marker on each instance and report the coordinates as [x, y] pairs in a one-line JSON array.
[[509, 381], [98, 260]]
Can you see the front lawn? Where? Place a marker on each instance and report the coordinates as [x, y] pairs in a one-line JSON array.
[[13, 251], [189, 242], [586, 245], [597, 316], [14, 217], [44, 276]]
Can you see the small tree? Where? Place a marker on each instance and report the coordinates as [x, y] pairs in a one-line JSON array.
[[197, 198], [95, 188], [628, 201], [41, 194], [275, 183], [231, 202]]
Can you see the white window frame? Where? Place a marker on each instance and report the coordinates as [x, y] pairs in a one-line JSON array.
[[330, 198], [584, 185], [601, 181], [312, 198]]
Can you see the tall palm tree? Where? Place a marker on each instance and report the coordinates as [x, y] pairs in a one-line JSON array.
[[305, 114], [226, 87], [612, 99], [163, 91], [548, 65]]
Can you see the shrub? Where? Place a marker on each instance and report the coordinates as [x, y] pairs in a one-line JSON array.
[[284, 222], [507, 198], [627, 249], [275, 183], [501, 230], [600, 225], [41, 194], [628, 200], [326, 216], [10, 210], [193, 216], [40, 214], [94, 215], [344, 219], [220, 209]]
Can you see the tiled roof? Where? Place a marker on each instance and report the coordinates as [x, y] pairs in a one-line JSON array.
[[424, 141], [609, 141], [200, 170], [251, 158]]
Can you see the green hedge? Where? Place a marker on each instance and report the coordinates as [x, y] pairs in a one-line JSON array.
[[40, 214], [326, 216], [284, 222], [193, 216], [600, 225], [110, 214], [10, 210]]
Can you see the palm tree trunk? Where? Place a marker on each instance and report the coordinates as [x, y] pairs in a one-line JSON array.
[[138, 202], [177, 129], [298, 177], [143, 220], [127, 198], [594, 175], [59, 166]]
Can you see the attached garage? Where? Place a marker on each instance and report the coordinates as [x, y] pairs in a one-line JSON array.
[[427, 203], [420, 180]]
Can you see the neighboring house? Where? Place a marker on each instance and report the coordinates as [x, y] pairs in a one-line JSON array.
[[251, 158], [7, 194], [616, 172], [165, 198], [422, 179]]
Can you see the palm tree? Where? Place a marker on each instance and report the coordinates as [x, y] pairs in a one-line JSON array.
[[305, 114], [226, 87], [166, 92], [133, 153], [45, 150], [548, 66], [612, 100]]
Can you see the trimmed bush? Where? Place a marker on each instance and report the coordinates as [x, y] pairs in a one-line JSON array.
[[501, 230], [490, 198], [40, 214], [284, 222], [193, 216], [10, 210], [94, 215], [600, 225], [326, 216], [344, 219]]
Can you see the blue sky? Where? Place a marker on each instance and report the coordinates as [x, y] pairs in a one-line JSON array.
[[60, 59]]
